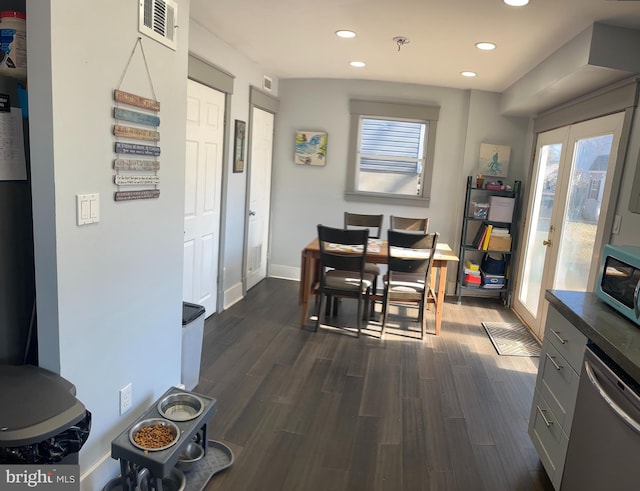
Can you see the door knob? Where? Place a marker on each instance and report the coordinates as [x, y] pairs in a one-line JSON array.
[[546, 243]]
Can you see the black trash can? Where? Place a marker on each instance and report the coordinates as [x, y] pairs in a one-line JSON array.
[[192, 334], [42, 421]]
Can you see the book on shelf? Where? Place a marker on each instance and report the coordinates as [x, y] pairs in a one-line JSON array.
[[487, 236]]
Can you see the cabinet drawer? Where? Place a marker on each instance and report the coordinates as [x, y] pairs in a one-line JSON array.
[[550, 441], [566, 338], [558, 384]]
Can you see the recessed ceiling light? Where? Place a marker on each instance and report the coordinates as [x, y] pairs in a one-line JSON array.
[[345, 34], [516, 3], [357, 64], [468, 74], [484, 46]]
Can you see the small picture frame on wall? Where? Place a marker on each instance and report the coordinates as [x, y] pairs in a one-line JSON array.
[[494, 160], [311, 148], [238, 145]]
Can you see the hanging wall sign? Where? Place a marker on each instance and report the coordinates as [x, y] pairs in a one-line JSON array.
[[136, 128]]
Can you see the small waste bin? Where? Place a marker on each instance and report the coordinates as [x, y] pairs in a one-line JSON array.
[[192, 333]]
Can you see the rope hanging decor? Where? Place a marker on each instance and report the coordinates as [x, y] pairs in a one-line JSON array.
[[146, 169]]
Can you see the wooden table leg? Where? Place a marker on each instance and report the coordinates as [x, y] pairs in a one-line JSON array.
[[442, 285], [307, 275]]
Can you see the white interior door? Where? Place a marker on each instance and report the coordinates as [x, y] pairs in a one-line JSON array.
[[260, 158], [570, 193], [203, 184]]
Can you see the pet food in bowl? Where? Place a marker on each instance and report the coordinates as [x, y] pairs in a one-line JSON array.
[[181, 406], [154, 434]]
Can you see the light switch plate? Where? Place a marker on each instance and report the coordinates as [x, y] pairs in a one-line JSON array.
[[87, 208]]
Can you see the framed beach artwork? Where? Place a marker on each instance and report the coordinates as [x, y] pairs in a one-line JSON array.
[[311, 148], [494, 160]]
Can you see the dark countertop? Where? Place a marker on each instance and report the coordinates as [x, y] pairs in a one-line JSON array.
[[613, 333]]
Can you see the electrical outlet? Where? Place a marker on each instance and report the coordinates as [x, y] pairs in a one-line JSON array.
[[125, 398]]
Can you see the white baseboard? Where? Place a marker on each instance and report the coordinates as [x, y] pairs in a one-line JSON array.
[[232, 295], [100, 473], [284, 272]]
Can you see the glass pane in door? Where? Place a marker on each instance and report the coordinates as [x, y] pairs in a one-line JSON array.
[[580, 221], [535, 250]]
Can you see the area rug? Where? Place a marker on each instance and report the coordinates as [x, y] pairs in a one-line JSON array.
[[512, 339]]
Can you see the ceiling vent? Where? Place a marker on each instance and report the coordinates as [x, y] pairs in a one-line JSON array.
[[158, 21]]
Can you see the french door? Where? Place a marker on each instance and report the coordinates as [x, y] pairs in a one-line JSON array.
[[568, 200]]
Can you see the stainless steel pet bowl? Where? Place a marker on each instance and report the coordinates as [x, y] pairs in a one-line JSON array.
[[175, 431], [190, 456], [175, 481], [181, 406]]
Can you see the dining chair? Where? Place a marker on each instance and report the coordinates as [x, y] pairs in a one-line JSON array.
[[410, 257], [342, 261], [373, 223], [405, 223]]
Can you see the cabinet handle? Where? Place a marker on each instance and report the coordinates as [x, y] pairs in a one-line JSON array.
[[544, 418], [558, 367], [556, 334], [546, 242]]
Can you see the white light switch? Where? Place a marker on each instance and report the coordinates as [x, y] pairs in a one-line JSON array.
[[88, 208]]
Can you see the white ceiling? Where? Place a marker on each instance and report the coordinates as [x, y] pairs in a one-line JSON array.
[[295, 38]]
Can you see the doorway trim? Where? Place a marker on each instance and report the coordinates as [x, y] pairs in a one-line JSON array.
[[261, 100], [207, 74]]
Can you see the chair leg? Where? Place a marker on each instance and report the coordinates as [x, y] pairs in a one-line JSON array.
[[423, 318], [318, 311], [385, 310], [358, 320], [374, 291]]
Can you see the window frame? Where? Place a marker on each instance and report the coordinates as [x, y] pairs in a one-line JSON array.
[[399, 111]]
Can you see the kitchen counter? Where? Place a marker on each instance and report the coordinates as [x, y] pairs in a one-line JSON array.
[[613, 333]]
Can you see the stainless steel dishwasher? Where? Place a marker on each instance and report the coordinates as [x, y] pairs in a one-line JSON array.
[[604, 444]]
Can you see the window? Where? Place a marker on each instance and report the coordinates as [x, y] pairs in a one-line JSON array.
[[391, 150]]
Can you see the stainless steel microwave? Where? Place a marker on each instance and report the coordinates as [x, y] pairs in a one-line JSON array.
[[619, 279]]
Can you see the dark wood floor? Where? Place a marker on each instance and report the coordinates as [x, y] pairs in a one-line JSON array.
[[324, 410]]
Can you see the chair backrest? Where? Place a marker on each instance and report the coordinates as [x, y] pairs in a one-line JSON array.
[[405, 223], [371, 222], [411, 252], [335, 242]]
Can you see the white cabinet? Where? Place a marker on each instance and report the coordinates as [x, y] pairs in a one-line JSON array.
[[556, 390]]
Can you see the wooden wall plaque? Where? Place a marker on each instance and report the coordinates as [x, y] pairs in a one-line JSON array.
[[137, 179], [130, 195], [137, 133], [126, 164], [135, 117], [136, 100], [133, 148]]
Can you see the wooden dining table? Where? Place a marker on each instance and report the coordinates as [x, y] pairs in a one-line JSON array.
[[310, 264]]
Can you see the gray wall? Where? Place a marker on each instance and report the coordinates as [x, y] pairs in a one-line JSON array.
[[109, 294], [304, 196]]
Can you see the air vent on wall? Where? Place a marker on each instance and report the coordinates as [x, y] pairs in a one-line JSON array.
[[158, 21], [267, 83]]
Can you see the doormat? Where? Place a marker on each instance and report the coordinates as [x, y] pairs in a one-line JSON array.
[[512, 339]]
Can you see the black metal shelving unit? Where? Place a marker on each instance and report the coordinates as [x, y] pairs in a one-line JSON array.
[[467, 250]]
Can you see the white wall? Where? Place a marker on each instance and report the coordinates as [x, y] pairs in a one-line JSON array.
[[109, 294], [208, 47], [304, 196]]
